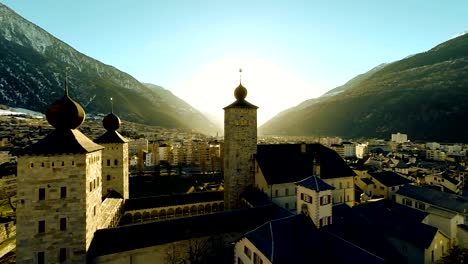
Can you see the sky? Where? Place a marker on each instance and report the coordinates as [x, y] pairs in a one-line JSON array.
[[289, 50]]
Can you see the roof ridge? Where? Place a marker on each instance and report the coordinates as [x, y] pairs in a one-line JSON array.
[[272, 242], [354, 245], [316, 183]]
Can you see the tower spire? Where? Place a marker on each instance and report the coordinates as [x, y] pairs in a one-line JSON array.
[[112, 105], [240, 76], [66, 80]]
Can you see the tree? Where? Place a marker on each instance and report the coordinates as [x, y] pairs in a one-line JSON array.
[[454, 255]]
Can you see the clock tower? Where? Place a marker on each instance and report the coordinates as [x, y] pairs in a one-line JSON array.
[[240, 145]]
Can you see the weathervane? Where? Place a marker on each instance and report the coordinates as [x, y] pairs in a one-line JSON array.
[[67, 69], [240, 76], [112, 105]]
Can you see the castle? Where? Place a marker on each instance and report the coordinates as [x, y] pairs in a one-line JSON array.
[[283, 203]]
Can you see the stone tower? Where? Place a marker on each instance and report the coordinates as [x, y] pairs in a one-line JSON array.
[[240, 145], [114, 158], [59, 190]]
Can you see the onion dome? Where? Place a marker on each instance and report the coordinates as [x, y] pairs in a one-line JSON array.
[[65, 113], [111, 122], [240, 92]]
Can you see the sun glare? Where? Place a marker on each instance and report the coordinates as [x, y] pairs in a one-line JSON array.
[[271, 87]]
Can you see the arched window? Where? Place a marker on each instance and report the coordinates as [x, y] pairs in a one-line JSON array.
[[116, 162], [154, 214], [162, 214], [170, 213], [137, 218], [215, 207], [127, 219], [193, 210], [186, 211], [146, 216], [201, 209], [207, 208], [178, 212]]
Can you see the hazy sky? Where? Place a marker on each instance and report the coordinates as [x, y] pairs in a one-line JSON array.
[[289, 50]]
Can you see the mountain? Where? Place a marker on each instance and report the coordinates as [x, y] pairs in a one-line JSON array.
[[422, 95], [32, 70], [185, 112]]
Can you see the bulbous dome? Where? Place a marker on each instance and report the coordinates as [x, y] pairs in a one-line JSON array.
[[111, 122], [240, 93], [65, 113]]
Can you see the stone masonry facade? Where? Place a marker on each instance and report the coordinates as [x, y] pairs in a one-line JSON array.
[[240, 145], [59, 204], [115, 168]]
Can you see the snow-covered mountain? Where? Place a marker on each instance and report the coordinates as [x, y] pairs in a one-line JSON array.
[[32, 70]]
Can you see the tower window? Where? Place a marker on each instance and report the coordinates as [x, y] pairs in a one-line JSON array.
[[40, 258], [73, 163], [108, 177], [90, 186], [42, 164], [108, 162], [115, 162], [63, 192], [41, 194], [94, 210], [31, 165], [53, 164], [62, 255], [63, 224], [63, 163], [41, 227]]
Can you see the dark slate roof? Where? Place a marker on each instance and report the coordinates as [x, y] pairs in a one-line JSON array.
[[111, 136], [62, 141], [255, 198], [367, 181], [315, 183], [241, 104], [282, 163], [383, 219], [295, 239], [288, 240], [130, 237], [171, 200], [402, 165], [447, 177], [436, 198], [389, 178]]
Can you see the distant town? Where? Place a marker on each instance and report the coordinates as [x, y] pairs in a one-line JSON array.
[[166, 165]]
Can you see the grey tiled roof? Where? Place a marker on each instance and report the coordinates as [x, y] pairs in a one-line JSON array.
[[315, 183], [62, 141], [111, 137], [283, 163], [389, 178], [172, 200], [241, 104], [440, 199]]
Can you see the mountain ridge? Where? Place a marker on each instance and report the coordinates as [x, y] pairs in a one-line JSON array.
[[421, 95], [32, 69]]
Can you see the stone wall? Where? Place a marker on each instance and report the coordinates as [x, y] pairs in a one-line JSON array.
[[115, 169], [240, 144], [80, 174]]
